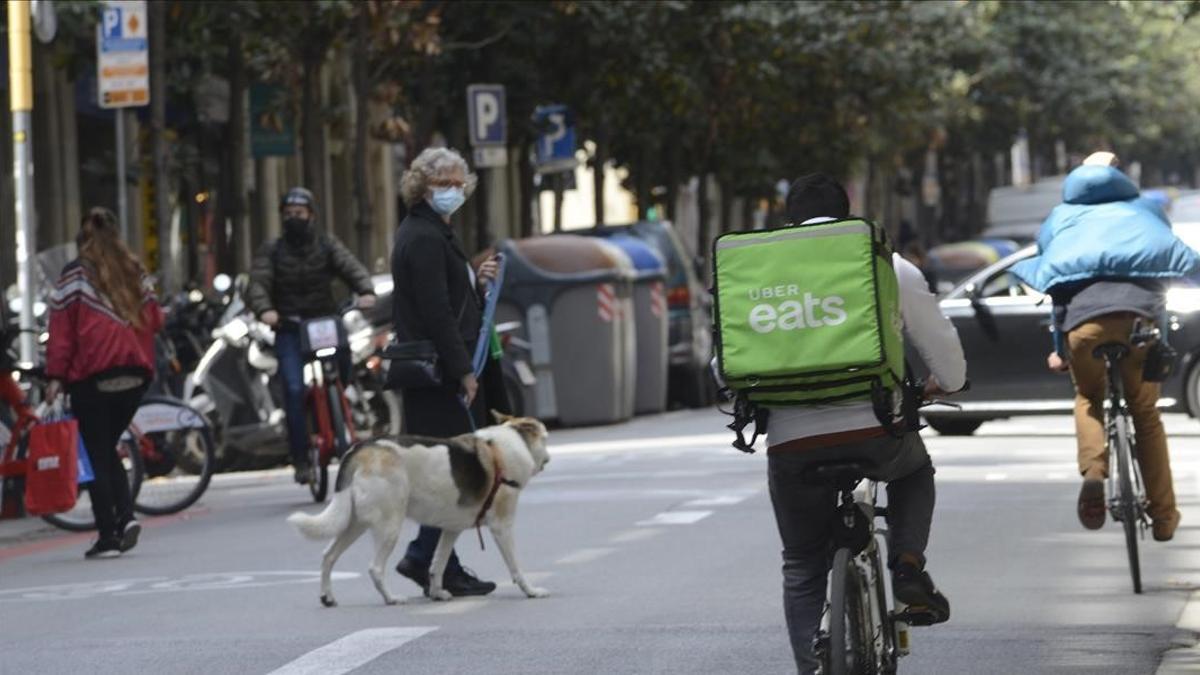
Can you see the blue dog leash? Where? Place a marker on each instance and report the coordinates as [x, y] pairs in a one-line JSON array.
[[491, 299]]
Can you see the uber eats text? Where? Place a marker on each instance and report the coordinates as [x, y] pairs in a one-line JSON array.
[[808, 311]]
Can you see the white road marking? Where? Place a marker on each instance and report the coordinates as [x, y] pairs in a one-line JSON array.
[[664, 442], [457, 606], [1057, 475], [676, 518], [193, 582], [584, 555], [352, 651], [631, 536], [995, 476], [719, 500]]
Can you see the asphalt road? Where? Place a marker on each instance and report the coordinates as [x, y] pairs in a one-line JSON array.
[[658, 544]]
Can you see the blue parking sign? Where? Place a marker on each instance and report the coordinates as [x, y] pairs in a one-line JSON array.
[[556, 145], [486, 115]]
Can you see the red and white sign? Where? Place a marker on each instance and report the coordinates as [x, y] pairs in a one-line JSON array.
[[658, 299], [606, 302]]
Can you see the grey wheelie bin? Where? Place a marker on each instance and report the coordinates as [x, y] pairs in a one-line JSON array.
[[650, 312], [573, 297]]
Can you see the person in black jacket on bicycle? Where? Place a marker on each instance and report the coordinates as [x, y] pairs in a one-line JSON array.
[[437, 299], [293, 277]]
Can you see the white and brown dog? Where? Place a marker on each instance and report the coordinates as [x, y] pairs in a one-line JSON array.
[[453, 484]]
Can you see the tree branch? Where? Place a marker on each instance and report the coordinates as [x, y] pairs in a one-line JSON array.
[[453, 46]]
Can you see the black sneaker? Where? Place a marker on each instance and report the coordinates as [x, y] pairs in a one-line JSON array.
[[419, 575], [105, 547], [129, 534], [302, 475], [913, 587], [462, 582]]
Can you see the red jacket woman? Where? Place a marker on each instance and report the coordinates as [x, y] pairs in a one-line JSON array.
[[103, 317]]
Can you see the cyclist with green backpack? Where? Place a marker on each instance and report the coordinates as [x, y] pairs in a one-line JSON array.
[[812, 321]]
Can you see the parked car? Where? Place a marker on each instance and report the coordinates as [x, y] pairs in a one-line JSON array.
[[952, 263], [689, 307], [1005, 330]]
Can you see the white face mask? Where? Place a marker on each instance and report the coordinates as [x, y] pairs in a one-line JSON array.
[[447, 200]]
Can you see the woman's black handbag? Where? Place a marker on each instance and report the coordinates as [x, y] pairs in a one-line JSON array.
[[412, 365]]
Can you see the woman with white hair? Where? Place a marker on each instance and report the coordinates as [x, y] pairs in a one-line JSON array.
[[437, 311]]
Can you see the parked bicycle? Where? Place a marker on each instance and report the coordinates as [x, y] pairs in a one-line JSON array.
[[1127, 502], [167, 451]]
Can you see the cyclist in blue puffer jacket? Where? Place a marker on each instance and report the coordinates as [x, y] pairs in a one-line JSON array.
[[1105, 255]]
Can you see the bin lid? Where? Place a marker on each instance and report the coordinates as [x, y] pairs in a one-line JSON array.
[[645, 259], [567, 255]]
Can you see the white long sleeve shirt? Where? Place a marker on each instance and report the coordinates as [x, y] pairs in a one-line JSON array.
[[925, 327]]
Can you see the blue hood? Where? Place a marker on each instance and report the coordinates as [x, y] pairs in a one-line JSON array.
[[1105, 230], [1097, 185]]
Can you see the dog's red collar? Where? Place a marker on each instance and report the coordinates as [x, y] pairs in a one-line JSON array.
[[498, 479]]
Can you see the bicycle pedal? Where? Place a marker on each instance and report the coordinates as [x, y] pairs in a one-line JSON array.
[[916, 615]]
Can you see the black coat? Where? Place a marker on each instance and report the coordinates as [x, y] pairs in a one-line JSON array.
[[298, 280], [434, 299]]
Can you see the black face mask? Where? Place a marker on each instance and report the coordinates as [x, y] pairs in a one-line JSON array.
[[297, 229]]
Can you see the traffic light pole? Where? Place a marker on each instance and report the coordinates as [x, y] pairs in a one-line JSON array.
[[20, 77]]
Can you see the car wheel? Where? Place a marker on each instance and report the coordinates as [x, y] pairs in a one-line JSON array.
[[954, 427], [1192, 392]]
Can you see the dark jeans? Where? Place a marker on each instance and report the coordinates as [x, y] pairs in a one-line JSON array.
[[805, 513], [103, 417], [291, 369]]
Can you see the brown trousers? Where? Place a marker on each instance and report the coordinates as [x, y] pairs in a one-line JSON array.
[[1088, 373]]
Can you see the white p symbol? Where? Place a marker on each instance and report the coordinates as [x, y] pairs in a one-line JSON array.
[[559, 121], [487, 113], [112, 22]]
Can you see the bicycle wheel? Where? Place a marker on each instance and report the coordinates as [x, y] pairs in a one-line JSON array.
[[887, 654], [80, 519], [849, 636], [337, 420], [318, 478], [179, 463], [1126, 500]]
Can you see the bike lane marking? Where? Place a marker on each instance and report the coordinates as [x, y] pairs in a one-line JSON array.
[[69, 539], [352, 651]]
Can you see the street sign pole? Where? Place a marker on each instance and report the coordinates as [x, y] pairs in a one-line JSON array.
[[122, 205], [123, 75], [20, 76], [488, 135]]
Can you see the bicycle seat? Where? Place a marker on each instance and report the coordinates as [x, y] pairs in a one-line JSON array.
[[1112, 351], [843, 475]]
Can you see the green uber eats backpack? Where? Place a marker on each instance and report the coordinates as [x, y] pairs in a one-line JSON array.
[[807, 315]]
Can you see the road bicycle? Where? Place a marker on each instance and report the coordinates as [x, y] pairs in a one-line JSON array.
[[862, 633], [1127, 502], [330, 419]]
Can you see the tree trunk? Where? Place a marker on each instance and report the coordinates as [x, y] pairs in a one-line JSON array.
[[237, 150], [726, 206], [362, 117], [557, 179], [673, 180], [748, 204], [642, 182], [703, 231], [525, 172], [158, 143], [598, 163], [311, 133]]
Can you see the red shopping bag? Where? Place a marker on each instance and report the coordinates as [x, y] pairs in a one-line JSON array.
[[51, 477]]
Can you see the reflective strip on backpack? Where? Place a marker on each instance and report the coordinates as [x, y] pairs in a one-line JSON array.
[[848, 228]]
